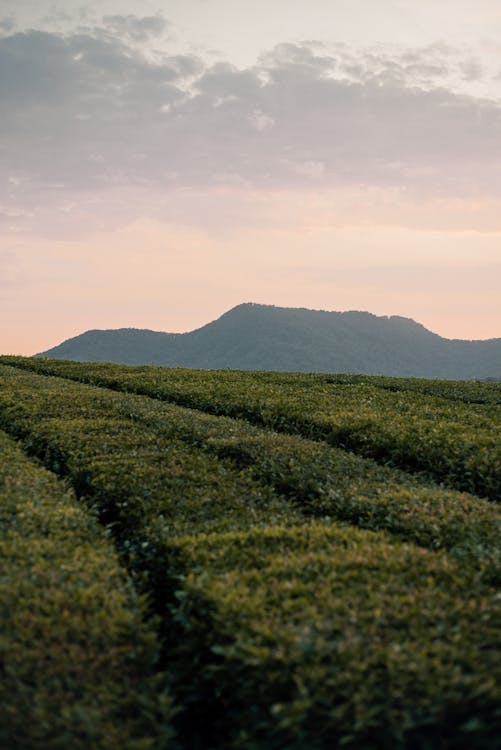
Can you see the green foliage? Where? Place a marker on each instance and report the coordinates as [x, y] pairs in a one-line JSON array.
[[322, 637], [129, 472], [279, 630], [78, 661], [153, 449], [451, 441], [466, 391]]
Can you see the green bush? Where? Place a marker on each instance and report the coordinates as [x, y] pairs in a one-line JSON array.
[[282, 632], [78, 662], [420, 426], [465, 391], [321, 638], [127, 472], [158, 450]]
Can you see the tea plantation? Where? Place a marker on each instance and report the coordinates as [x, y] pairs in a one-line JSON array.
[[268, 561]]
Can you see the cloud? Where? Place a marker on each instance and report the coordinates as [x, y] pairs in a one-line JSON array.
[[7, 25], [88, 111], [135, 28], [299, 59], [472, 70]]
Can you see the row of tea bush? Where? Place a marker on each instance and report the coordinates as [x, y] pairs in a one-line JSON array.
[[278, 631], [451, 442], [78, 659], [320, 480]]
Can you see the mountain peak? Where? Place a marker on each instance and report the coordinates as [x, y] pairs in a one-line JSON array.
[[254, 336]]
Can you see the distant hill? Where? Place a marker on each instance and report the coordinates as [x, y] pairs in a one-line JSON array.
[[263, 337]]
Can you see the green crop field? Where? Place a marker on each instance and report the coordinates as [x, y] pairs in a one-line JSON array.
[[268, 561]]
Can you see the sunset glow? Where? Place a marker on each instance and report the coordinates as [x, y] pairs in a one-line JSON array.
[[152, 178]]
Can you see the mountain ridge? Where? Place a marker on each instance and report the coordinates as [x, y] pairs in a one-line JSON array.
[[251, 336]]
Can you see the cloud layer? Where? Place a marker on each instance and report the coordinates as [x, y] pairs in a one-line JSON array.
[[90, 111]]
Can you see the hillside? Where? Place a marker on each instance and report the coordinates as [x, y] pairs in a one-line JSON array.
[[263, 337]]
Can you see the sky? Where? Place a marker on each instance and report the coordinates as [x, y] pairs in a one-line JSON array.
[[161, 162]]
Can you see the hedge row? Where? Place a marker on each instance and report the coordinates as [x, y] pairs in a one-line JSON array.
[[451, 442], [322, 481], [77, 660], [323, 638], [465, 391], [130, 473], [319, 480], [280, 634], [325, 482]]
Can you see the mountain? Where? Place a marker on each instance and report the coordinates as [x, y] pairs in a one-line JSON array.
[[264, 337]]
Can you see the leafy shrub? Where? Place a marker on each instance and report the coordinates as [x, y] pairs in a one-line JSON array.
[[78, 662], [325, 638], [156, 450], [420, 426], [282, 632]]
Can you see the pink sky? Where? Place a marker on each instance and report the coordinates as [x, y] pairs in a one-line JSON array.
[[149, 275], [149, 182]]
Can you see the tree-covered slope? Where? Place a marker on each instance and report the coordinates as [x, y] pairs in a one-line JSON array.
[[263, 337]]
